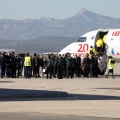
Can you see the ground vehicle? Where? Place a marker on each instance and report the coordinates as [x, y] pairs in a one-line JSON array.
[[7, 50]]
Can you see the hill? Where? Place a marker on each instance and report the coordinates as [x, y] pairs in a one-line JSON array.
[[38, 45], [76, 25]]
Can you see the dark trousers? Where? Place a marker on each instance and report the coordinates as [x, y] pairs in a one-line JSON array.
[[59, 73], [86, 72], [69, 72], [27, 71], [110, 71], [0, 70], [78, 71], [17, 73], [21, 69], [7, 68], [3, 70], [96, 72], [49, 72], [13, 72], [36, 71], [99, 49], [54, 71]]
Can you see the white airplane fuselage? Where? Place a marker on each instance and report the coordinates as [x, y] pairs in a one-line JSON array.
[[112, 44]]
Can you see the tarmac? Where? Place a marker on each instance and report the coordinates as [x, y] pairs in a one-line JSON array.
[[98, 97]]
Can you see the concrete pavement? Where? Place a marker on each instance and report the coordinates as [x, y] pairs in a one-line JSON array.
[[98, 97]]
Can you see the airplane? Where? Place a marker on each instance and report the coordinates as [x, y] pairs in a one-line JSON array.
[[111, 48]]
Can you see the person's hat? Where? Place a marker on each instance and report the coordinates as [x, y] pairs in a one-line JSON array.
[[110, 56], [68, 53], [35, 54]]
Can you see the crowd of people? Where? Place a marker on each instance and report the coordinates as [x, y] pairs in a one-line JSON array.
[[55, 66], [11, 65], [60, 66]]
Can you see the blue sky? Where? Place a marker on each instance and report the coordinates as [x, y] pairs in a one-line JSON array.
[[59, 9]]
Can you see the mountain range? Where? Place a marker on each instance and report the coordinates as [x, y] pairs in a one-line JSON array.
[[52, 30]]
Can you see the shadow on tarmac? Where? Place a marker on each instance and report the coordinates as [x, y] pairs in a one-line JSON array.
[[6, 81], [109, 88], [26, 93], [46, 95]]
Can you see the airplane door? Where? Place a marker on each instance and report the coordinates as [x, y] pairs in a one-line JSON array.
[[101, 34]]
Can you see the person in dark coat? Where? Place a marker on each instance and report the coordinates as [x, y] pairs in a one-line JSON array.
[[78, 66], [60, 65], [41, 65], [56, 58], [17, 65], [7, 65], [96, 67], [35, 64], [21, 56], [69, 65], [1, 64], [12, 65], [92, 65], [49, 67], [86, 63]]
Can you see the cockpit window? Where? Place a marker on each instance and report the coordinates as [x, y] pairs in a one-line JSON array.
[[82, 39]]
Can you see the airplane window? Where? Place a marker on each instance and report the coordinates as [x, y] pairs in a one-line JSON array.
[[82, 39]]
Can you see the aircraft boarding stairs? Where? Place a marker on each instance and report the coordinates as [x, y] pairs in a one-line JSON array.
[[102, 64]]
